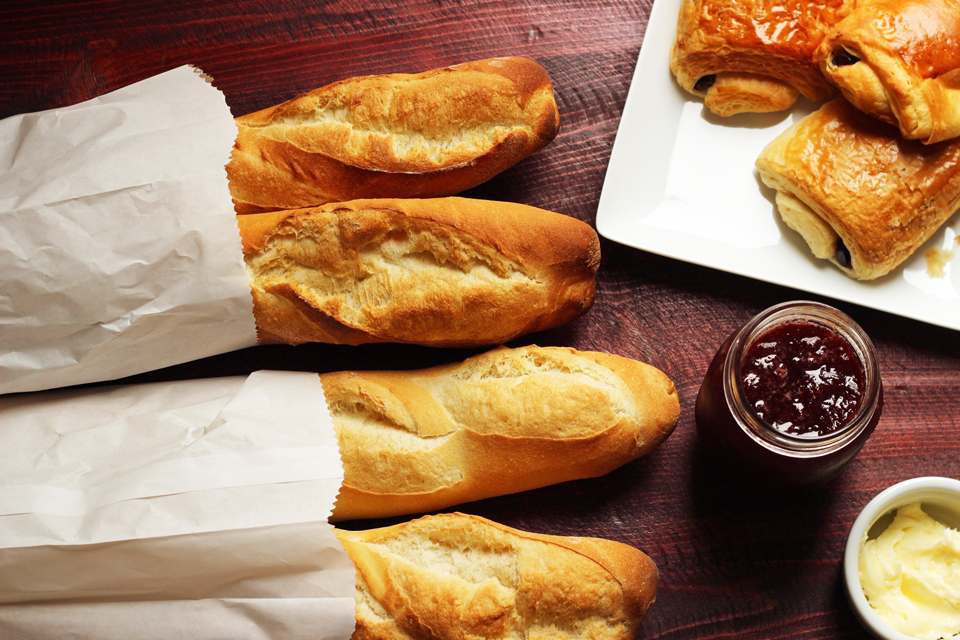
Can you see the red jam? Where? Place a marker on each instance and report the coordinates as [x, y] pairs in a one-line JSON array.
[[802, 379], [790, 397]]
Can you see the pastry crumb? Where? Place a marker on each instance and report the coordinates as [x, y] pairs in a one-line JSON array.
[[937, 260]]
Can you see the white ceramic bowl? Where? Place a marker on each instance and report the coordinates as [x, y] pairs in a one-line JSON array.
[[940, 498]]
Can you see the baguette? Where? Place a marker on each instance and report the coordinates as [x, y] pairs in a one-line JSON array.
[[459, 576], [431, 134], [444, 272], [501, 422]]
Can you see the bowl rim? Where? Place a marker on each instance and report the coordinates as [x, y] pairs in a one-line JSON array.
[[890, 498]]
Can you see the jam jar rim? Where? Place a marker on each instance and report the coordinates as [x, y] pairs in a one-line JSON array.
[[764, 433]]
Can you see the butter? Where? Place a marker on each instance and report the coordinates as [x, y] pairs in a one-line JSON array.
[[911, 575]]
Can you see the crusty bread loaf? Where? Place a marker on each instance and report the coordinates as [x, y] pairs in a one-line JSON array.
[[501, 422], [436, 272], [431, 134], [456, 576]]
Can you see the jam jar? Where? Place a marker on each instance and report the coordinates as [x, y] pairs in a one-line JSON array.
[[790, 397]]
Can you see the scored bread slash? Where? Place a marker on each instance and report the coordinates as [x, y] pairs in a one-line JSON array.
[[447, 272], [461, 576], [501, 422], [423, 135]]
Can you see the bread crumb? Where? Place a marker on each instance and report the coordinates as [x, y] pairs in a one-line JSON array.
[[937, 260]]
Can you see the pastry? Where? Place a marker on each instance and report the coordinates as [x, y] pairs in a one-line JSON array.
[[747, 56], [859, 194], [899, 60]]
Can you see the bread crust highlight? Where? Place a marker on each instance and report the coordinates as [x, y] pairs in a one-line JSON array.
[[501, 422], [422, 135], [462, 576], [446, 272]]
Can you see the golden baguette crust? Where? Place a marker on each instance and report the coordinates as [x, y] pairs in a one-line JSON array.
[[908, 68], [461, 576], [760, 51], [501, 422], [843, 176], [430, 134], [446, 272]]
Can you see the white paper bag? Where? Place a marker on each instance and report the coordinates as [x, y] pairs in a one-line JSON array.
[[119, 249], [193, 509]]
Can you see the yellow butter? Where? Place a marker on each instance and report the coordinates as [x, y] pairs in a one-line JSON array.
[[911, 575]]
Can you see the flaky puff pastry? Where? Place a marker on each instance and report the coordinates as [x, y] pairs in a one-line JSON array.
[[753, 55], [859, 194], [899, 60]]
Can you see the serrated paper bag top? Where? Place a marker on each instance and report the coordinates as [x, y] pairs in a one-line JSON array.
[[119, 248]]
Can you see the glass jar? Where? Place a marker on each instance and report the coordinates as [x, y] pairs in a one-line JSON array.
[[739, 440]]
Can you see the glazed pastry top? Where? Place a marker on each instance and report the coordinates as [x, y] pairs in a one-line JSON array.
[[924, 33], [883, 194], [856, 154], [789, 27]]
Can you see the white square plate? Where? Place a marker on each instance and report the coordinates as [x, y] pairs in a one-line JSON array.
[[682, 183]]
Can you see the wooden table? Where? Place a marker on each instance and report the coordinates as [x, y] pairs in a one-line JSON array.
[[731, 565]]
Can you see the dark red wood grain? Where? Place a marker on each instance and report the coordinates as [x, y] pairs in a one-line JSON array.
[[732, 565]]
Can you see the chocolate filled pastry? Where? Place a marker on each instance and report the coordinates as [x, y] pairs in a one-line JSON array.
[[753, 56], [899, 60], [859, 194], [423, 135]]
